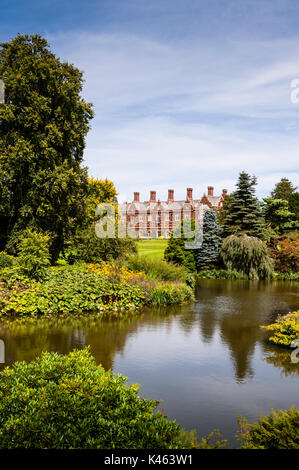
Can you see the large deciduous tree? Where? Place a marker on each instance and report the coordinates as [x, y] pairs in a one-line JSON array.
[[244, 214], [43, 124]]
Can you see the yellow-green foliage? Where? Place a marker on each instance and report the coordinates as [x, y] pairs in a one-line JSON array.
[[285, 329], [280, 430]]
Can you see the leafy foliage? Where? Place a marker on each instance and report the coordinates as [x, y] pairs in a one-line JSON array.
[[280, 430], [207, 256], [294, 205], [91, 249], [69, 402], [33, 254], [278, 215], [6, 260], [170, 293], [99, 191], [43, 125], [285, 329], [244, 215], [247, 255], [72, 290], [157, 269]]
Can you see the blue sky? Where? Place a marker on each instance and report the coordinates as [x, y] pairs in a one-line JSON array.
[[185, 92]]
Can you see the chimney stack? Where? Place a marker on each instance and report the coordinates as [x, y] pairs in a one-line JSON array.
[[136, 197], [210, 190], [170, 195], [153, 196], [189, 194], [224, 192]]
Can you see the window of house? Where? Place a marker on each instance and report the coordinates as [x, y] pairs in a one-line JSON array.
[[177, 217]]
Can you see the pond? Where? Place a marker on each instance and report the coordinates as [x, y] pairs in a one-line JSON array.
[[209, 361]]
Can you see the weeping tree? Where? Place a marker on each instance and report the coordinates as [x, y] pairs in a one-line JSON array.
[[247, 255], [208, 254]]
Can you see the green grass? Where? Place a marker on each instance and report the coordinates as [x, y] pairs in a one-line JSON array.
[[152, 248]]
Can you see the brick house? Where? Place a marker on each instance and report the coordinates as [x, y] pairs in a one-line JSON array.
[[155, 218]]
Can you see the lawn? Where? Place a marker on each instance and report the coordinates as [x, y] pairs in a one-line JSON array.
[[152, 248]]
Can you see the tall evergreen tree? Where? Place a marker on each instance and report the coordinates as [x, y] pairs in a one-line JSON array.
[[207, 255], [244, 213], [43, 124]]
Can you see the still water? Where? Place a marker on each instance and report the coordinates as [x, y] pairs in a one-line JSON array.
[[208, 361]]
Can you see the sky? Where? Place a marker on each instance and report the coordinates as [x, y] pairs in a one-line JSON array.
[[186, 93]]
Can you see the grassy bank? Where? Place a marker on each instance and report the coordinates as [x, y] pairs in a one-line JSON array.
[[152, 248]]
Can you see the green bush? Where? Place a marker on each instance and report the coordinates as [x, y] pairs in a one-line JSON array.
[[170, 294], [156, 269], [176, 251], [280, 430], [285, 329], [72, 290], [33, 254], [6, 261], [286, 276], [91, 249], [247, 255], [68, 402]]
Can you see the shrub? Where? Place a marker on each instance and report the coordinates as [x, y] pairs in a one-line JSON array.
[[286, 276], [91, 249], [6, 261], [33, 254], [69, 402], [176, 252], [156, 269], [285, 329], [286, 253], [72, 290], [280, 430], [247, 255]]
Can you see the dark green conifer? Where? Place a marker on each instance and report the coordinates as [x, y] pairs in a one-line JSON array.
[[244, 214]]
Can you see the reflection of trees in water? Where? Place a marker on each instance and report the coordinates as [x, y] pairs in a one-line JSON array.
[[27, 340], [280, 358], [234, 309]]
